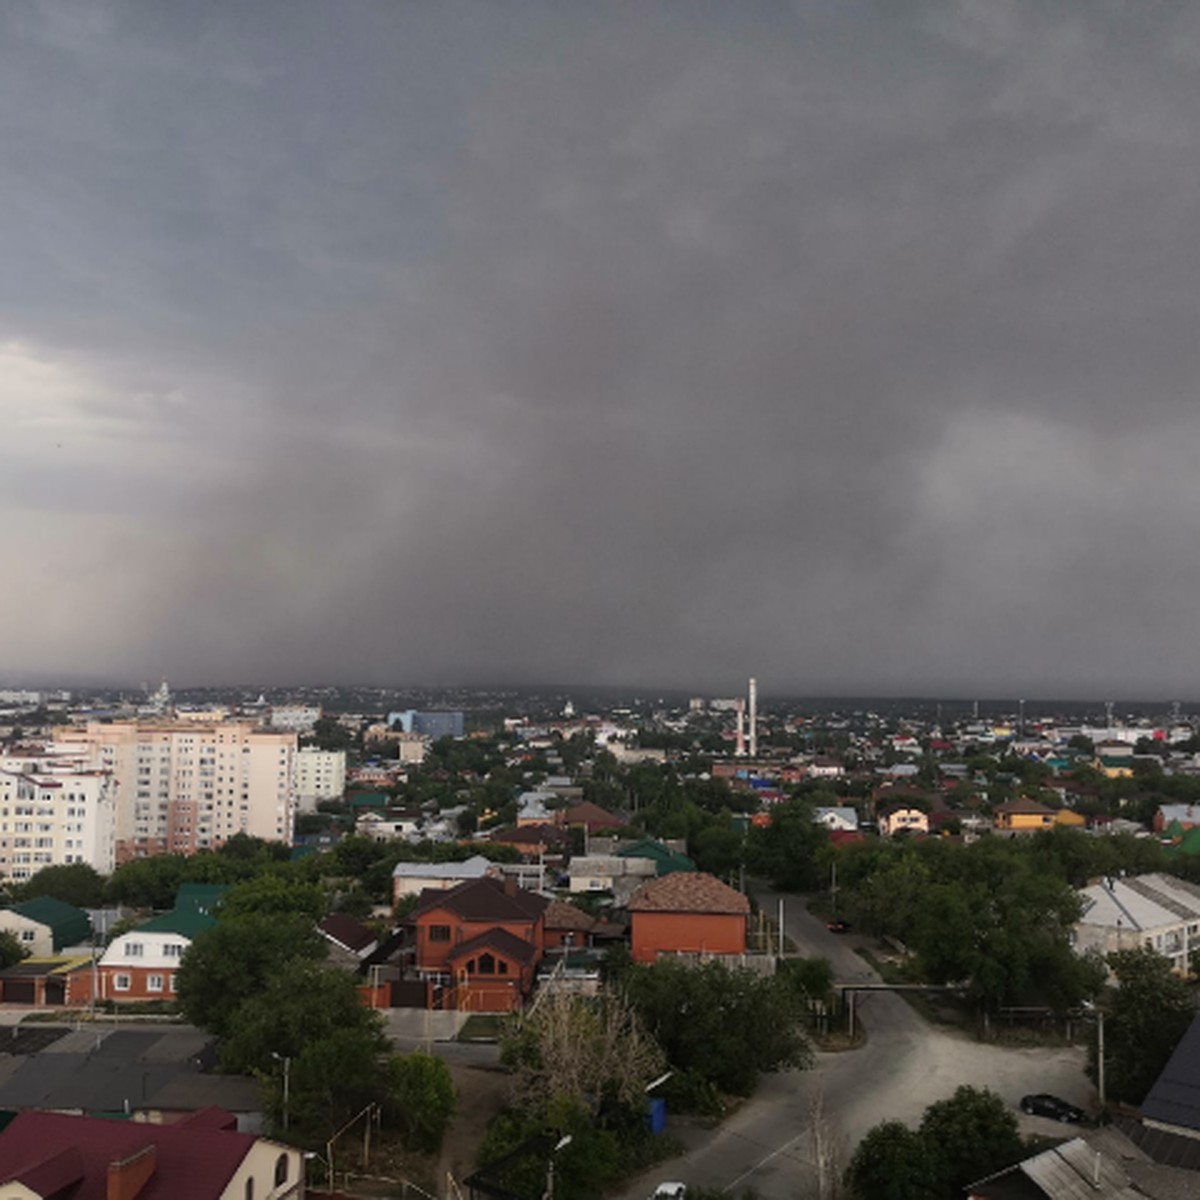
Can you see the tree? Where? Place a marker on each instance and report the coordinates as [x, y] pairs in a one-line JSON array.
[[728, 1026], [11, 950], [235, 960], [970, 1135], [301, 1003], [787, 850], [422, 1096], [590, 1052], [273, 895], [1148, 1013], [892, 1162], [79, 884]]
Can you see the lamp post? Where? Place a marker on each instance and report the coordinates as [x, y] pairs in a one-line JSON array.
[[563, 1143], [286, 1059]]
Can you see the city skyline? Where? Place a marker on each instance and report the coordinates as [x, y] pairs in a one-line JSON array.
[[642, 345]]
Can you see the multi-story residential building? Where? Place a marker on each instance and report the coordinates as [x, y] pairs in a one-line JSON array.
[[55, 810], [184, 786], [320, 775]]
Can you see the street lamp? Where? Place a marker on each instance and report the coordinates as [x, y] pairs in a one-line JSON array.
[[286, 1059], [563, 1143]]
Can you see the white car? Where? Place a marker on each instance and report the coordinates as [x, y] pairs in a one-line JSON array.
[[670, 1191]]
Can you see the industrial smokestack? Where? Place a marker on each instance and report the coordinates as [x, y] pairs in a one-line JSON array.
[[740, 748], [753, 717]]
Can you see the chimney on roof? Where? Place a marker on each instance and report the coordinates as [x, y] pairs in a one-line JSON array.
[[510, 886], [128, 1176]]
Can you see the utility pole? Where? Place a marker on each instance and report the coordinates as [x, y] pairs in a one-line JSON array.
[[1100, 1057]]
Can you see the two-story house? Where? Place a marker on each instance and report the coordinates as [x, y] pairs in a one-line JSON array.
[[480, 943]]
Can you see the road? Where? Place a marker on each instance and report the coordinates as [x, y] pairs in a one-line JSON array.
[[905, 1065]]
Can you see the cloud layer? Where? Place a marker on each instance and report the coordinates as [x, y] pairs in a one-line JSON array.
[[852, 345]]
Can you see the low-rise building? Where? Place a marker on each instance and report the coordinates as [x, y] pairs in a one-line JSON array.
[[687, 913], [413, 878], [1156, 911]]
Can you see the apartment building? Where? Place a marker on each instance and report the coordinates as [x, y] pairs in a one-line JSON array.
[[320, 775], [184, 786], [55, 810]]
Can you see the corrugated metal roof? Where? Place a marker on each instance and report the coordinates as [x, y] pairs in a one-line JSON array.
[[1074, 1171]]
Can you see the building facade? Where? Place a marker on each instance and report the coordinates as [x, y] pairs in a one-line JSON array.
[[53, 812], [320, 775], [188, 786]]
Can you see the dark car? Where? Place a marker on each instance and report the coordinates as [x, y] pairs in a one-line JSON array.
[[1045, 1105], [838, 926]]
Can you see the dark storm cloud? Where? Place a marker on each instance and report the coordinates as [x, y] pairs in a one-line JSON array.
[[849, 344]]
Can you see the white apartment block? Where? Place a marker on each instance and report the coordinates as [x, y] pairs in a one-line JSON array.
[[184, 786], [299, 718], [320, 775], [55, 813]]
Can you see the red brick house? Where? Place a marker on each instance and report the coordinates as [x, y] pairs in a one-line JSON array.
[[589, 816], [687, 913], [482, 940]]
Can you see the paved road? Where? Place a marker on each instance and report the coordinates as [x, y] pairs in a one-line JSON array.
[[905, 1065]]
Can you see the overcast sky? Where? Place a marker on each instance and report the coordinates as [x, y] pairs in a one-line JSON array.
[[852, 345]]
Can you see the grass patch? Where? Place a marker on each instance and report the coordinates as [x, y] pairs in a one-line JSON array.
[[481, 1027]]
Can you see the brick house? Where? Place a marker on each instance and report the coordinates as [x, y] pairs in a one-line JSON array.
[[687, 913], [482, 940], [141, 964]]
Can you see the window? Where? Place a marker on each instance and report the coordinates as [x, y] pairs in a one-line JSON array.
[[122, 983], [133, 949], [439, 933], [171, 984], [27, 935], [250, 1189], [154, 983], [172, 950], [281, 1170], [487, 964]]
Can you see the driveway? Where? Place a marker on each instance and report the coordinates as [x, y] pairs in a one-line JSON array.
[[774, 1143]]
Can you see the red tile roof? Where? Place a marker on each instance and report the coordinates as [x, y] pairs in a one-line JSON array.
[[688, 891], [48, 1150]]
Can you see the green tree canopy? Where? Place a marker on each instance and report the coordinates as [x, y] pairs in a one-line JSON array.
[[728, 1026], [79, 884], [235, 960], [1147, 1014], [892, 1162], [422, 1099], [301, 1003], [970, 1135]]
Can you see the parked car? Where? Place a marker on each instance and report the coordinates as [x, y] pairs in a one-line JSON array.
[[838, 926], [1044, 1105], [670, 1191]]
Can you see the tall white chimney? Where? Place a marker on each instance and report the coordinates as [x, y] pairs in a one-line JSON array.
[[753, 717], [740, 748]]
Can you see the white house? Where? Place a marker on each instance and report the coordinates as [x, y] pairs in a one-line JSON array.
[[1157, 911], [412, 878], [840, 817]]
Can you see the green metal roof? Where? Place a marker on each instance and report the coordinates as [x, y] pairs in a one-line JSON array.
[[200, 897], [187, 922], [68, 925], [667, 861]]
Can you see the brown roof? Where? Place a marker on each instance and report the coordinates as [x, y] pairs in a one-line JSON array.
[[501, 941], [563, 915], [483, 899], [591, 815], [688, 891], [1023, 805]]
